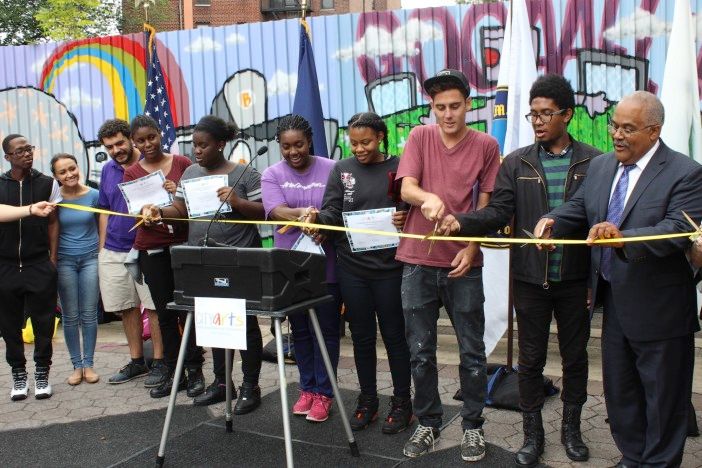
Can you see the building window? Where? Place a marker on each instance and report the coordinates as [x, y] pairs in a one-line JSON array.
[[203, 2], [327, 4], [202, 24]]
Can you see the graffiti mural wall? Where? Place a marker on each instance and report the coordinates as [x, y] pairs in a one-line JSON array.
[[59, 94]]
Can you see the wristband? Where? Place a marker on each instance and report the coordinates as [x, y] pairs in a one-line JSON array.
[[30, 209]]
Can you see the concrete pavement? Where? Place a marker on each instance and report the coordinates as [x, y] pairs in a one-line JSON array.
[[502, 428]]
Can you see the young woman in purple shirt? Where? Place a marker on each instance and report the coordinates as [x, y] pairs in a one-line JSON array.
[[291, 188]]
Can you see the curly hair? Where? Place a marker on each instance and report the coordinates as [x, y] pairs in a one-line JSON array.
[[141, 121], [217, 128], [297, 123], [553, 87], [374, 122], [112, 127]]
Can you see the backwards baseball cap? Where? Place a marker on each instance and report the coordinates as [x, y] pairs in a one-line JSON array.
[[448, 75]]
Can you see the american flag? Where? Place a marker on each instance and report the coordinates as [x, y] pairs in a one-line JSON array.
[[157, 105]]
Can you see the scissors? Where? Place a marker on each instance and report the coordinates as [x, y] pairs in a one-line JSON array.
[[287, 227], [431, 233], [695, 226], [138, 223], [529, 235]]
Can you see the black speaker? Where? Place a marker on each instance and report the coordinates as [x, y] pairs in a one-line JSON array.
[[269, 279]]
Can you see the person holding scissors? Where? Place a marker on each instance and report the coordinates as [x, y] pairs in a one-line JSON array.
[[369, 275], [440, 167]]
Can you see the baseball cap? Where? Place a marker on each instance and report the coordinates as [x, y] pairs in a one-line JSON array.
[[448, 76]]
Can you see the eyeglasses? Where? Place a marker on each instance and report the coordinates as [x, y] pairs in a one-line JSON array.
[[613, 128], [545, 117], [20, 151]]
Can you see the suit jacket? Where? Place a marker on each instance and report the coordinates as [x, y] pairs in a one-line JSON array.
[[652, 282]]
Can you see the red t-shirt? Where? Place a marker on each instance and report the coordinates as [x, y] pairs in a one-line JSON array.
[[160, 235], [450, 174]]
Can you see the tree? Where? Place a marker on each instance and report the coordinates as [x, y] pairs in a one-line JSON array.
[[160, 12], [62, 20], [17, 23]]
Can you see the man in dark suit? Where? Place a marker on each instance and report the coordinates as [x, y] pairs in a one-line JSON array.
[[647, 289]]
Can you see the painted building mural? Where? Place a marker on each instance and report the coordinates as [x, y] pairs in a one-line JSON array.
[[59, 94]]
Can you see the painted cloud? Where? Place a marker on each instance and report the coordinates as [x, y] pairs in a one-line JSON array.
[[638, 25], [377, 42], [203, 44]]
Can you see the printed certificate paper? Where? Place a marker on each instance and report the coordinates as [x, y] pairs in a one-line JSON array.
[[147, 190], [201, 195], [378, 220], [304, 243]]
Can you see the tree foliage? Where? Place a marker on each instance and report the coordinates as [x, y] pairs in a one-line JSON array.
[[17, 23], [160, 15], [62, 20]]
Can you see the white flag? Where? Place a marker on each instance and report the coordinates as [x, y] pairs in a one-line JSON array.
[[522, 74], [680, 92]]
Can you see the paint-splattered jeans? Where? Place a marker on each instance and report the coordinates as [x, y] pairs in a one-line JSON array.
[[424, 290]]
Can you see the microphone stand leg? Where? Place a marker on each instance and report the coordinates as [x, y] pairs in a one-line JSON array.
[[228, 389], [332, 379], [283, 391], [174, 389]]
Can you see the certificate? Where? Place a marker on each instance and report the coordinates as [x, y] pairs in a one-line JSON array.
[[304, 243], [147, 190], [200, 195], [378, 220]]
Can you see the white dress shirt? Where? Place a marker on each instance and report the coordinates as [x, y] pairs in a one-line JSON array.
[[634, 173]]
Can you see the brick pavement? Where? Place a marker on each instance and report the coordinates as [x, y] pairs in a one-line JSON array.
[[502, 428]]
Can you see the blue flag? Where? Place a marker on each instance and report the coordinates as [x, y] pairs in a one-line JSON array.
[[307, 102], [157, 105]]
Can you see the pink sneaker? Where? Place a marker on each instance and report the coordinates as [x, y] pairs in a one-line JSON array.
[[304, 403], [320, 408]]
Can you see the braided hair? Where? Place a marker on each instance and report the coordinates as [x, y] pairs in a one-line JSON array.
[[374, 122], [217, 128], [297, 123], [141, 121]]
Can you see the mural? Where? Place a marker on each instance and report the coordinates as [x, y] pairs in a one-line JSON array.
[[59, 94]]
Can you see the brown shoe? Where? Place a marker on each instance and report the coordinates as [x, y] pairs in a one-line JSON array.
[[90, 376], [76, 377]]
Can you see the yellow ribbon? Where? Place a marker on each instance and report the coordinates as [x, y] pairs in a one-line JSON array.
[[495, 240]]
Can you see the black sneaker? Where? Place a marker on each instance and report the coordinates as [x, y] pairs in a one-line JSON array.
[[42, 387], [249, 398], [400, 415], [164, 389], [216, 392], [158, 374], [20, 389], [196, 381], [129, 372], [366, 412], [421, 442], [473, 445]]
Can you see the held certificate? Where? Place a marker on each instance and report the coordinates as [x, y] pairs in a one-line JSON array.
[[304, 243], [200, 195], [145, 191], [379, 219]]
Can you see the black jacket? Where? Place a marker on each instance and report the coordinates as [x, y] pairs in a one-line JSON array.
[[26, 241], [520, 191]]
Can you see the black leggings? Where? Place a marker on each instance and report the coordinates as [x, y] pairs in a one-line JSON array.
[[159, 277], [365, 299], [250, 359]]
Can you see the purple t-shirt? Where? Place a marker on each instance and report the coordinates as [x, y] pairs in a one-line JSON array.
[[118, 238], [282, 185]]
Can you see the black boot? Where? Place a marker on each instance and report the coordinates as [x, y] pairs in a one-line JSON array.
[[366, 412], [196, 381], [249, 398], [570, 434], [533, 446]]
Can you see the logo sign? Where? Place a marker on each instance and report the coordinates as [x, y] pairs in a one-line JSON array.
[[220, 322], [221, 282], [246, 99]]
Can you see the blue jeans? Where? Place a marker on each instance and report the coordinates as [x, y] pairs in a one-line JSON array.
[[313, 374], [78, 289], [424, 290]]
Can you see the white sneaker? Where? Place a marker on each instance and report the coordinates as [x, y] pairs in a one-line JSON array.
[[19, 387], [42, 387]]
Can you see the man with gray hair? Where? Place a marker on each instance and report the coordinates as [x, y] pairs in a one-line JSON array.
[[641, 188]]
